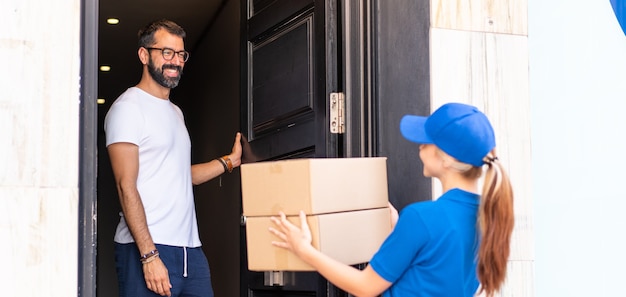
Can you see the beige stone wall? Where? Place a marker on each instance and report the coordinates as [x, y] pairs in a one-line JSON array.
[[479, 55], [39, 112]]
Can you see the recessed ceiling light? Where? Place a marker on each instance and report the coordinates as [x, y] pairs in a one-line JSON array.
[[105, 68], [101, 101], [113, 21]]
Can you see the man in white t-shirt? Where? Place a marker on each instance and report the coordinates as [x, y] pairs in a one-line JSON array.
[[157, 246]]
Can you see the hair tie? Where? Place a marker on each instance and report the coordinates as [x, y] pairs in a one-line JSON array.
[[489, 160]]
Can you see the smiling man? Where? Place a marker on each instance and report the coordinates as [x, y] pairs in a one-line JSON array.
[[157, 246]]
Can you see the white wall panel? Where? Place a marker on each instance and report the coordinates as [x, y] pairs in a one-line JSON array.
[[39, 112], [577, 73], [503, 16], [519, 280], [490, 71], [40, 227]]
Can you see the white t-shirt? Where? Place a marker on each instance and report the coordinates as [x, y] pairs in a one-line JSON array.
[[158, 128]]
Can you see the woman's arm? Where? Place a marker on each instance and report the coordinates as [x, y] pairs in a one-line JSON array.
[[298, 240]]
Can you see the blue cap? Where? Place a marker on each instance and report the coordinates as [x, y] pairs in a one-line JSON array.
[[460, 130]]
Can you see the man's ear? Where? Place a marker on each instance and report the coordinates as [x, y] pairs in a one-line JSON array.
[[144, 56]]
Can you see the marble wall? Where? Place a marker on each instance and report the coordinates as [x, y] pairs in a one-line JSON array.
[[39, 110], [479, 55]]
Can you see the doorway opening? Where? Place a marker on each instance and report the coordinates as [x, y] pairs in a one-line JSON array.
[[210, 101]]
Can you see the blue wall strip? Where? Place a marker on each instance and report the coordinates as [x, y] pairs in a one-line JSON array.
[[619, 7]]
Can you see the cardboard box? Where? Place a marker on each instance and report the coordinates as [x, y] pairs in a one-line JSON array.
[[316, 186], [349, 237]]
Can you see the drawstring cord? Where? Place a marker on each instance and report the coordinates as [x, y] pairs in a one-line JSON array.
[[185, 261]]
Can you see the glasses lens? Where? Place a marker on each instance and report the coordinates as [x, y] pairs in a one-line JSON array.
[[168, 54], [184, 55]]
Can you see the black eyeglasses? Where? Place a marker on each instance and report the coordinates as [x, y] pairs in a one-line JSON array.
[[168, 53]]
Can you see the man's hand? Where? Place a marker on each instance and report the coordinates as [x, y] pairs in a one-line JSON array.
[[157, 278], [235, 154]]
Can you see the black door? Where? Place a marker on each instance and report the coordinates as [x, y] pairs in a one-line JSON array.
[[289, 72]]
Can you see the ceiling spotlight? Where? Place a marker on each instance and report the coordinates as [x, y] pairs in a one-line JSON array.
[[113, 21], [105, 68], [100, 101]]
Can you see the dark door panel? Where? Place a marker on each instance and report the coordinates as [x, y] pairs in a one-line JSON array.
[[291, 283], [289, 69], [282, 87], [286, 144], [265, 16]]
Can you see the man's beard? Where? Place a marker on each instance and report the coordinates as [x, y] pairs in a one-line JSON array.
[[157, 74]]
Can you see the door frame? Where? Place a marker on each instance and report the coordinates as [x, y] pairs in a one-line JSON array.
[[358, 141], [358, 55], [88, 149]]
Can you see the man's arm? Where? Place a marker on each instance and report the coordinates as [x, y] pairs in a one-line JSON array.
[[203, 172], [125, 164]]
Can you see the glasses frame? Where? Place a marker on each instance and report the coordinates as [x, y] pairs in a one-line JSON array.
[[184, 57]]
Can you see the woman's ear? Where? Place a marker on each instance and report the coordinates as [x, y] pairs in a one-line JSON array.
[[446, 160]]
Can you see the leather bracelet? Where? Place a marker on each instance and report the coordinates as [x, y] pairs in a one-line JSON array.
[[229, 163], [223, 164], [149, 255], [150, 259]]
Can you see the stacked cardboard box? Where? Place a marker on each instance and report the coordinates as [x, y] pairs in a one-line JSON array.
[[345, 199]]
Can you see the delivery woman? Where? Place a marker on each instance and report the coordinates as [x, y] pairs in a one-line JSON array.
[[455, 245]]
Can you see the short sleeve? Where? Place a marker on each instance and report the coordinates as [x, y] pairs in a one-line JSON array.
[[123, 123], [400, 249]]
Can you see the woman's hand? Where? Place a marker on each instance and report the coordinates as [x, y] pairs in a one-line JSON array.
[[294, 239], [298, 240], [393, 212]]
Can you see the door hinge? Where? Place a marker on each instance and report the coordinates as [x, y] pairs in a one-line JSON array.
[[337, 113], [273, 278]]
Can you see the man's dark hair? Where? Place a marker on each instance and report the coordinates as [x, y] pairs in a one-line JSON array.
[[146, 35]]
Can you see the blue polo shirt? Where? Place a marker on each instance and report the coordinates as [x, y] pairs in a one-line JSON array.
[[432, 249]]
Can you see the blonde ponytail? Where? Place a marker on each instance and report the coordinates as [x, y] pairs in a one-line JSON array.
[[496, 221]]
